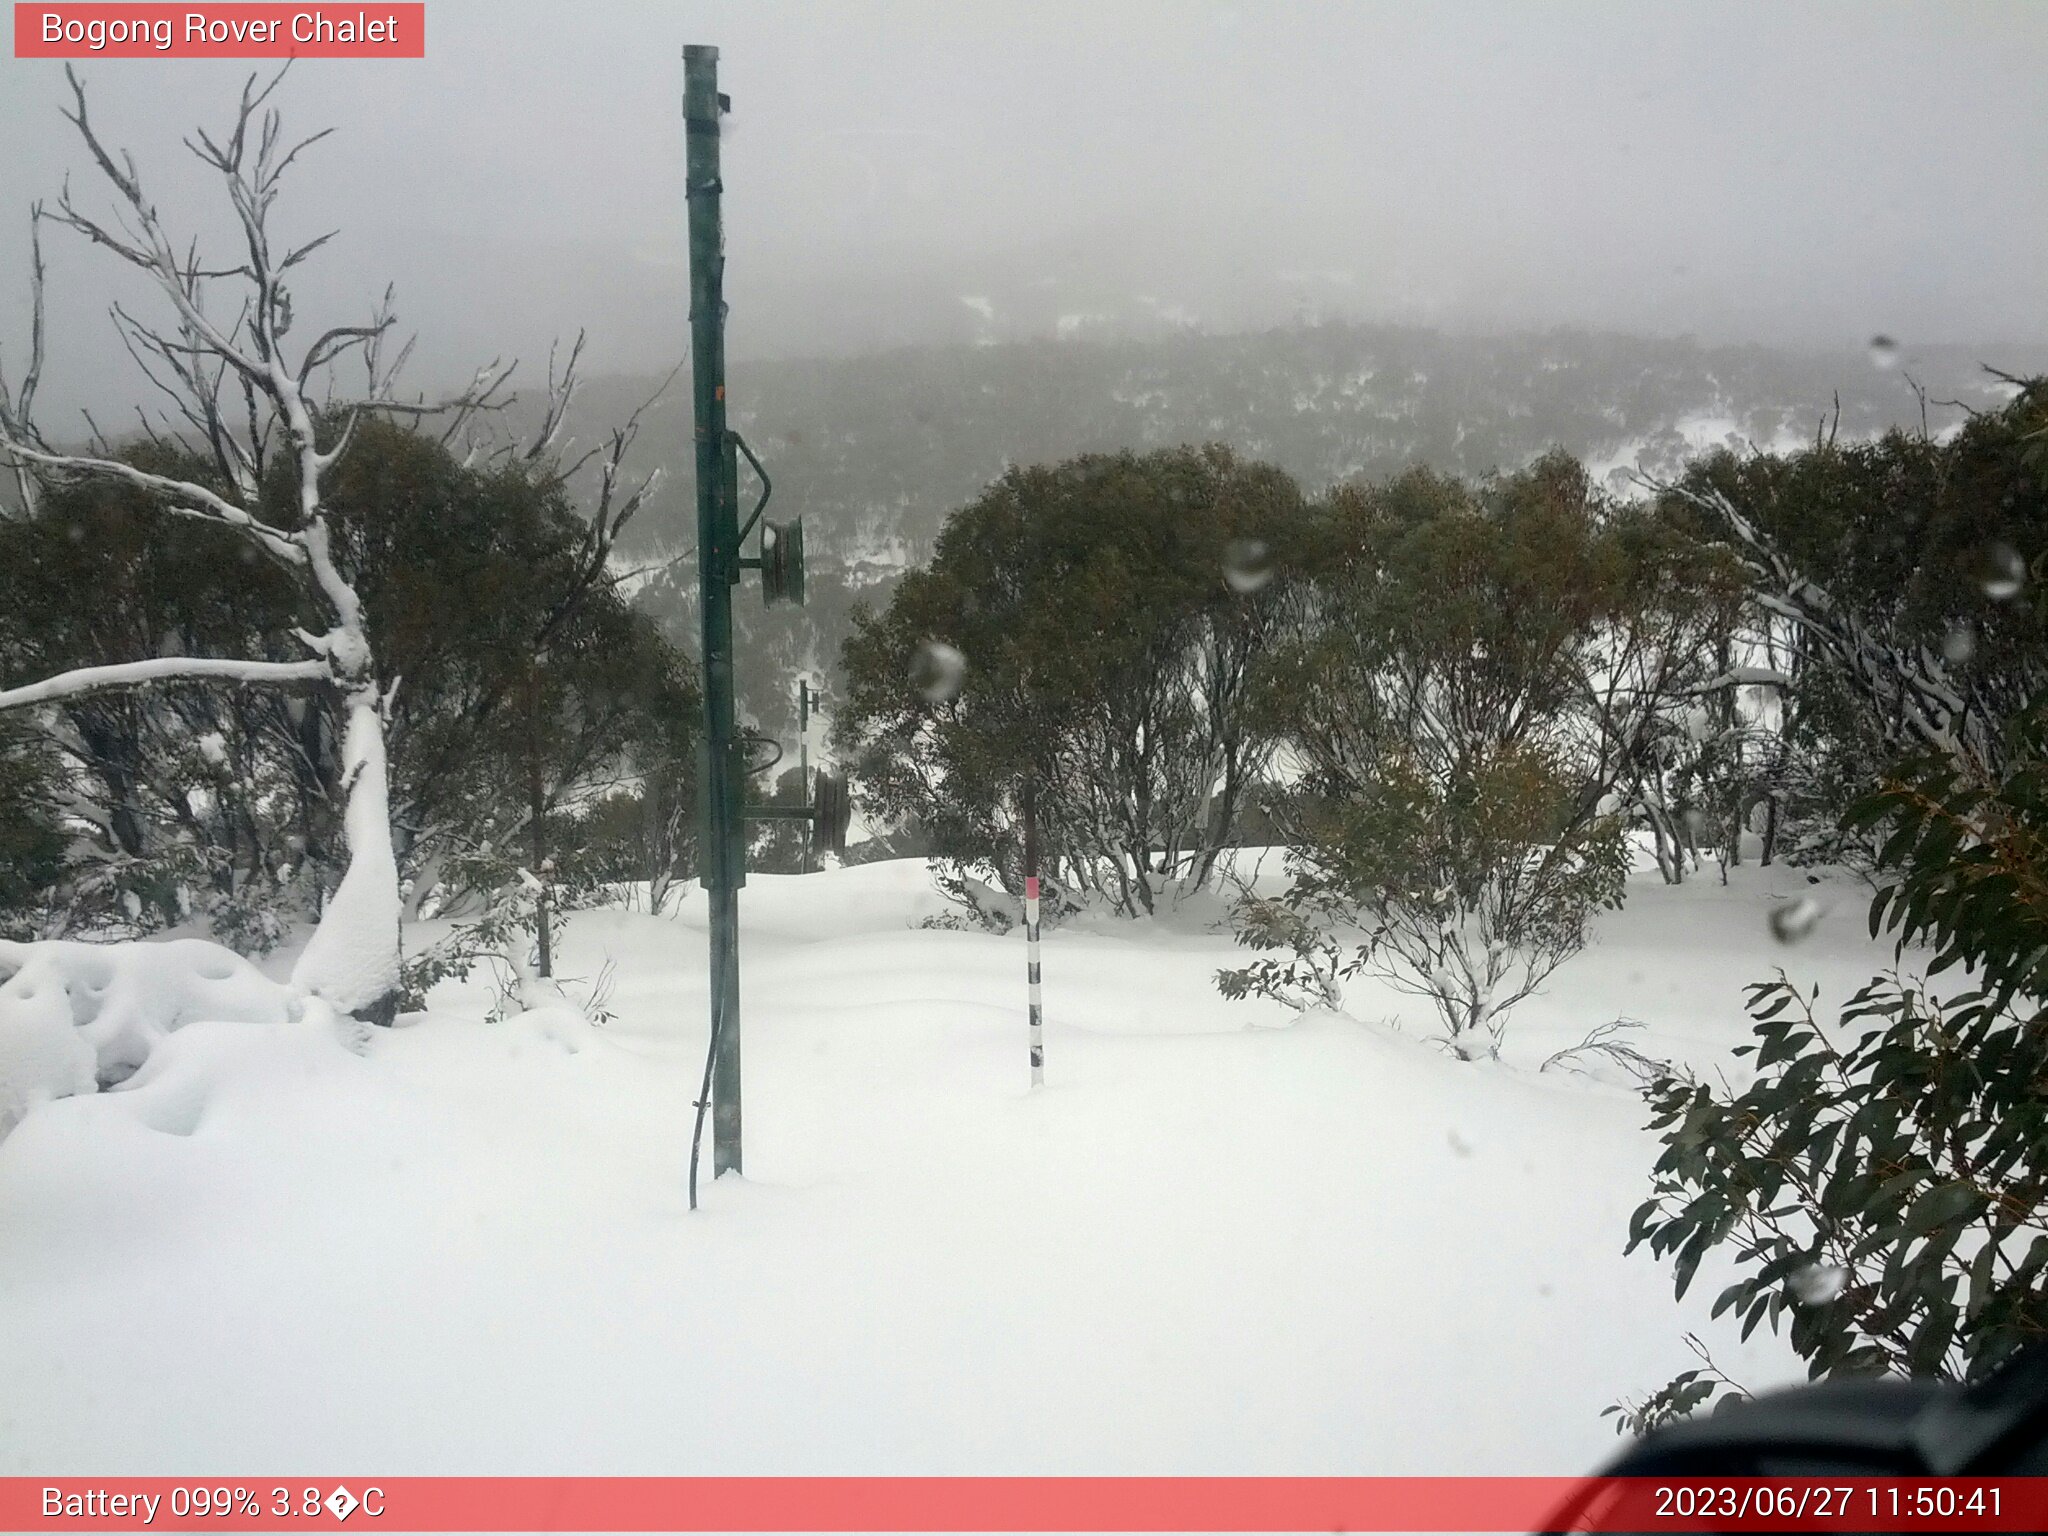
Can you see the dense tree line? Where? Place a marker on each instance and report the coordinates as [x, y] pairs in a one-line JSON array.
[[1453, 701], [1412, 684], [875, 452]]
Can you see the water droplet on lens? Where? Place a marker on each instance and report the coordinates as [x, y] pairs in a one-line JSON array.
[[937, 670], [1247, 565], [1884, 352], [1795, 920], [1818, 1284], [1959, 644], [2000, 571]]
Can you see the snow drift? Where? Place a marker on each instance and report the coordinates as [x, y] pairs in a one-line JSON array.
[[1224, 1238], [75, 1015]]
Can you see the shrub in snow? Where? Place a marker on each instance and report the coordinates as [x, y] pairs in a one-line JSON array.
[[995, 910], [1603, 1046], [510, 922], [1312, 975], [1474, 673], [73, 1015], [979, 904], [1889, 1198], [1468, 893]]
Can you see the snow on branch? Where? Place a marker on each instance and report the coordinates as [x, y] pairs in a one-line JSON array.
[[160, 669], [1920, 699], [1745, 677], [188, 499]]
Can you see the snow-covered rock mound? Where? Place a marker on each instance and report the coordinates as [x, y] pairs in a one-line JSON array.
[[73, 1015]]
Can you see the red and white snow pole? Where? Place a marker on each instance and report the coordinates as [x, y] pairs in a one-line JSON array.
[[1031, 933]]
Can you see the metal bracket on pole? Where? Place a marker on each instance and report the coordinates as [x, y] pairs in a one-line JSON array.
[[767, 487], [781, 560], [830, 813]]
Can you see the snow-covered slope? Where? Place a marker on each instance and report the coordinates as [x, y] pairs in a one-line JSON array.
[[1219, 1241]]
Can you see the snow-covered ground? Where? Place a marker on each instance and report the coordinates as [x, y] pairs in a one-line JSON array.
[[1220, 1240]]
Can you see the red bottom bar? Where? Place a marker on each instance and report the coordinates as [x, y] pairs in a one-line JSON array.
[[1260, 1504]]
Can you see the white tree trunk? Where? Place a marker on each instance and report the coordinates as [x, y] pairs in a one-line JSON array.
[[352, 958]]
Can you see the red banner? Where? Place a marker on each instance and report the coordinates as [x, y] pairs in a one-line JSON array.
[[102, 31], [1477, 1504]]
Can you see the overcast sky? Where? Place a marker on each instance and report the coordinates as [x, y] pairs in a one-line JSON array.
[[1776, 172]]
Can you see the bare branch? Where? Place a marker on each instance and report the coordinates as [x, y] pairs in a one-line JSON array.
[[67, 214], [560, 393], [21, 407], [17, 414], [299, 254], [607, 524], [98, 439], [481, 395], [259, 433], [189, 396], [25, 403], [158, 259], [278, 169], [125, 181], [1920, 394], [620, 579], [575, 466], [336, 340]]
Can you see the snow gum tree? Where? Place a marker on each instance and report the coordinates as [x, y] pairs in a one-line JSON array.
[[247, 397], [1109, 612], [1447, 805], [1660, 707], [1891, 581]]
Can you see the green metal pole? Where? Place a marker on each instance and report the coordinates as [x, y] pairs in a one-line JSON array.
[[721, 851]]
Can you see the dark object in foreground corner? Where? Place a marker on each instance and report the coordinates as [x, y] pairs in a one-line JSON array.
[[1881, 1426]]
